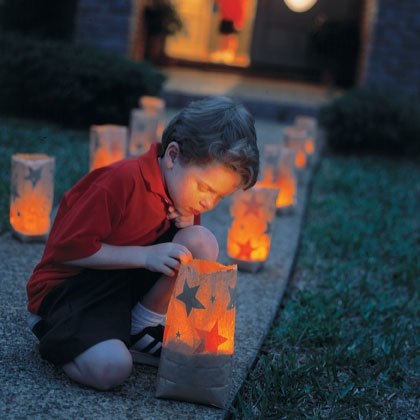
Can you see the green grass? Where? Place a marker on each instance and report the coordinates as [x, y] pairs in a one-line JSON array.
[[69, 147], [346, 341]]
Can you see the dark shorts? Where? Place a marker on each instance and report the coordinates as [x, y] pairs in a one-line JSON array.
[[89, 308], [227, 27]]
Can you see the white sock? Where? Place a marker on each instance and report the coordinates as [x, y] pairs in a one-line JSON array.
[[141, 317]]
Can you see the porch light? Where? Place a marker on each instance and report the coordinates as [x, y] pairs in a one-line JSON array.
[[300, 6]]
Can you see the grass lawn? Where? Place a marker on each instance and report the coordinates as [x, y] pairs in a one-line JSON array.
[[346, 341], [70, 149]]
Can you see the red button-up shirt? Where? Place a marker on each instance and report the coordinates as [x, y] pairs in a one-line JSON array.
[[121, 204]]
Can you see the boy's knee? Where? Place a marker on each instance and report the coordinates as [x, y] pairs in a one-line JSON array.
[[109, 373], [200, 241], [103, 366]]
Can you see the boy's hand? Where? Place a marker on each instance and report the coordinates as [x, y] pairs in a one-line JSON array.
[[181, 221], [166, 258]]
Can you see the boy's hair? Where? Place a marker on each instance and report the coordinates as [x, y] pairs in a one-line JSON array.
[[216, 129]]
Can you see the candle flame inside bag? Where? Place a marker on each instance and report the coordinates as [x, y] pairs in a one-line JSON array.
[[32, 193], [252, 212], [198, 342]]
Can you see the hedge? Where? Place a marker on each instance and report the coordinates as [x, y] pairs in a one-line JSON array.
[[373, 120], [71, 85]]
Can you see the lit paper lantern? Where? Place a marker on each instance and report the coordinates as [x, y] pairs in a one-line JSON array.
[[286, 180], [144, 129], [156, 106], [31, 195], [269, 162], [152, 104], [280, 172], [295, 138], [108, 144], [311, 126], [249, 236], [198, 342]]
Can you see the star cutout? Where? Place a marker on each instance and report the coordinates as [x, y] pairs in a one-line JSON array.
[[252, 206], [34, 175], [142, 127], [188, 297], [245, 250], [211, 339], [232, 301], [178, 334], [14, 192], [212, 298], [96, 142]]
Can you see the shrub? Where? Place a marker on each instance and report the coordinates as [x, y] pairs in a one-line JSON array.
[[39, 18], [371, 120], [70, 85]]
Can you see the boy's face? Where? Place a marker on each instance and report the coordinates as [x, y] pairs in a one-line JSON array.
[[195, 189]]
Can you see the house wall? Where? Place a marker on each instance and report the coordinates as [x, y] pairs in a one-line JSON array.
[[104, 24], [390, 53], [393, 57]]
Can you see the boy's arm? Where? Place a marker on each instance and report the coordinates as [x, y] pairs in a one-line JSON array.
[[163, 258]]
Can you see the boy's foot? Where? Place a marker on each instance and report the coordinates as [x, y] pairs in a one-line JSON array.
[[147, 345]]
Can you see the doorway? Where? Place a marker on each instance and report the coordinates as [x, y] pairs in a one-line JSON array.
[[200, 39]]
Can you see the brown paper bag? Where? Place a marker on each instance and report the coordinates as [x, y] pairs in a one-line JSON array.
[[198, 344]]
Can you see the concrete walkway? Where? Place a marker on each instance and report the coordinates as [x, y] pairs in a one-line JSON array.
[[265, 98], [32, 388]]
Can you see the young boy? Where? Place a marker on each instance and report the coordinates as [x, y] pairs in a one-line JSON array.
[[98, 297]]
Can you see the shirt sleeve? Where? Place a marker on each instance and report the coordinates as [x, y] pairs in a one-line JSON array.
[[83, 222]]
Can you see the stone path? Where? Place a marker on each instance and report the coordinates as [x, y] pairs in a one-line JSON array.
[[265, 98], [32, 388]]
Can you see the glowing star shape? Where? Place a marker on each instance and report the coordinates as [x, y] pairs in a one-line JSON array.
[[14, 192], [34, 176], [211, 340], [245, 250], [252, 206], [188, 297], [232, 301]]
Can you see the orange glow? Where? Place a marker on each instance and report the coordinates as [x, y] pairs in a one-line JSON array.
[[287, 197], [300, 160], [253, 210], [284, 179], [309, 146], [295, 138], [108, 144], [310, 124], [201, 312], [152, 104], [31, 198]]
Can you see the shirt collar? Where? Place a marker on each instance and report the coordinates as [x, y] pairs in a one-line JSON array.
[[152, 175]]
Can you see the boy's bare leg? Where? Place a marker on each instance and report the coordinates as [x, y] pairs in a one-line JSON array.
[[202, 244], [102, 366]]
